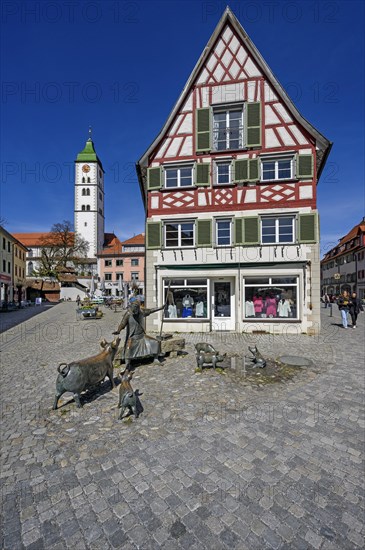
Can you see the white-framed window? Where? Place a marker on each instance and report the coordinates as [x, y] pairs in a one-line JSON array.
[[119, 276], [119, 262], [223, 172], [271, 298], [135, 276], [178, 176], [108, 263], [107, 276], [179, 234], [228, 128], [273, 169], [277, 229], [223, 232], [135, 261]]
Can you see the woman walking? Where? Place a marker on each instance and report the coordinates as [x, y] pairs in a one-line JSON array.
[[355, 307], [343, 306]]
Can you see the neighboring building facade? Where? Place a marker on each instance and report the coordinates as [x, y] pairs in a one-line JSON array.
[[12, 268], [6, 266], [19, 271], [121, 263], [229, 187], [343, 267], [33, 243]]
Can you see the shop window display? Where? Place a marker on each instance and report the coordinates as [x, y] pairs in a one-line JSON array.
[[186, 299], [272, 298]]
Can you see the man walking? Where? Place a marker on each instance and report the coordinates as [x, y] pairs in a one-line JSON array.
[[355, 307]]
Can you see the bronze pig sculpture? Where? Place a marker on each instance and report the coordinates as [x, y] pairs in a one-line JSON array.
[[207, 355], [80, 375]]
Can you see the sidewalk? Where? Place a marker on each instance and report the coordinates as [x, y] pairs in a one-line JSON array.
[[212, 462]]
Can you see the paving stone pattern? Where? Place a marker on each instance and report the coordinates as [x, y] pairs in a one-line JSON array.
[[213, 461]]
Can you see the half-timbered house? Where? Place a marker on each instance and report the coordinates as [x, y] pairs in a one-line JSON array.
[[229, 186]]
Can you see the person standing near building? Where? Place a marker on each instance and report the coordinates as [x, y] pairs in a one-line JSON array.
[[355, 307], [343, 306]]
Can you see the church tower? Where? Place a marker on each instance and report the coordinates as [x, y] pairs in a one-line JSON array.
[[89, 198]]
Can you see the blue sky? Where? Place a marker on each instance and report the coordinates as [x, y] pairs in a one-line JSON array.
[[120, 66]]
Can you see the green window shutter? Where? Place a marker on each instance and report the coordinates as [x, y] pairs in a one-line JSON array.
[[153, 235], [308, 228], [304, 166], [202, 174], [240, 170], [204, 233], [251, 230], [238, 230], [203, 134], [253, 124], [154, 177], [253, 170]]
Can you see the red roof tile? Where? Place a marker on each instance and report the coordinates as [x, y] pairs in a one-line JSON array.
[[137, 239]]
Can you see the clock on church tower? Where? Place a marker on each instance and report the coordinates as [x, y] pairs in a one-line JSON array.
[[89, 198]]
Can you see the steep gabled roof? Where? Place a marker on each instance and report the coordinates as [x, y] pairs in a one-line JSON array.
[[323, 144]]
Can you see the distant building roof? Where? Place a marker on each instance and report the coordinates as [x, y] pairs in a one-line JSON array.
[[32, 239], [137, 239], [41, 284], [114, 247], [341, 247]]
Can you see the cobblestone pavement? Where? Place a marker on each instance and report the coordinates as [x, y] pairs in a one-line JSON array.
[[213, 461]]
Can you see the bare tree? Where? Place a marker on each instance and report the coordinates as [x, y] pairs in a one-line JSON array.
[[60, 248]]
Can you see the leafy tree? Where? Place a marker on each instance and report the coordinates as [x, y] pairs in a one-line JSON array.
[[60, 248]]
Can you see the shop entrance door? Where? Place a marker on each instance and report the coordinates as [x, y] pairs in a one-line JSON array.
[[223, 305]]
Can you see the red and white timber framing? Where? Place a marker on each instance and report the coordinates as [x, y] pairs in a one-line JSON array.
[[230, 75]]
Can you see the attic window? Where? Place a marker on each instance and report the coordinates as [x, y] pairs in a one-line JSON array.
[[228, 128]]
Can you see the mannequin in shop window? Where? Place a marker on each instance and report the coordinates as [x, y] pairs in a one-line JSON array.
[[249, 309], [187, 303], [171, 307], [258, 305], [271, 307], [199, 308], [284, 309]]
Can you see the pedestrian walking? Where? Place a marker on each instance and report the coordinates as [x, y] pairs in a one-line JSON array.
[[343, 306], [355, 306], [326, 300], [78, 300]]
